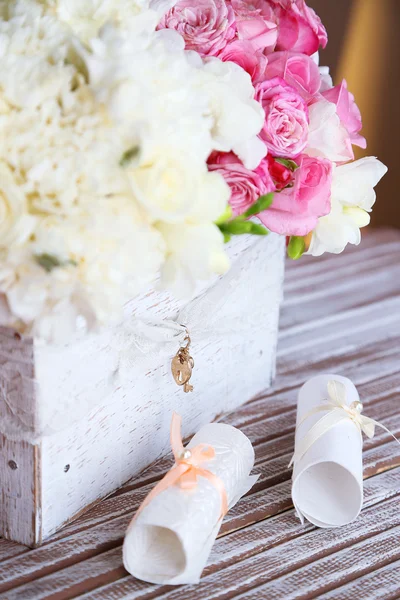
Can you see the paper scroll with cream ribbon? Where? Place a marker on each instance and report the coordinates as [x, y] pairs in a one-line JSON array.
[[327, 487], [171, 536]]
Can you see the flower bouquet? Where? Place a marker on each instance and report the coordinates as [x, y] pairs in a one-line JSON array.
[[147, 146]]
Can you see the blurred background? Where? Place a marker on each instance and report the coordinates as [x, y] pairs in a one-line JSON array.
[[364, 49]]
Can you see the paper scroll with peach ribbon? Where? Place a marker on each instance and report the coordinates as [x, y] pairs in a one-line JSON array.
[[327, 487], [171, 536]]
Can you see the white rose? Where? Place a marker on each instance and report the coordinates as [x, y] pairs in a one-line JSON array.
[[353, 196], [174, 190]]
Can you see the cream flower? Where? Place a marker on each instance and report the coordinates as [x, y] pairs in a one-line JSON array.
[[353, 196], [194, 252], [87, 17], [237, 117], [15, 224], [106, 126]]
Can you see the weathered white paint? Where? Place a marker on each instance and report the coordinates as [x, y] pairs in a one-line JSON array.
[[63, 473]]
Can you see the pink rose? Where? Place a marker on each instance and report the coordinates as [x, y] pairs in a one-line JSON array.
[[256, 23], [285, 129], [205, 25], [348, 112], [281, 175], [242, 53], [298, 70], [300, 29], [254, 9], [296, 210], [246, 186]]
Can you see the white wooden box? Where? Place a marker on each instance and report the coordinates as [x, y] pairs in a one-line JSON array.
[[80, 420]]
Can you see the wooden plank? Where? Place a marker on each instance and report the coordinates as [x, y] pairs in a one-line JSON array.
[[259, 554], [258, 429], [317, 546], [228, 550], [303, 275], [20, 515], [124, 501], [355, 334], [20, 473], [91, 540], [10, 549], [317, 579], [380, 583]]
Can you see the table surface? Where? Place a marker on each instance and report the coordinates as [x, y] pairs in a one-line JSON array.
[[341, 315]]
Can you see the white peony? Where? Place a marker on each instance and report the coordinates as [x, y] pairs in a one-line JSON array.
[[353, 196]]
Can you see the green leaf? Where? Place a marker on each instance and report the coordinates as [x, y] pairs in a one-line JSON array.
[[289, 164], [236, 227], [263, 203], [227, 237], [240, 227], [257, 229], [129, 155], [226, 216], [48, 262], [296, 247]]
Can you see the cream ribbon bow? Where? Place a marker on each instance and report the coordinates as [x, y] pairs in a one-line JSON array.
[[338, 410]]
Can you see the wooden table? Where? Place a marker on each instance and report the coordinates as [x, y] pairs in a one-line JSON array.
[[341, 315]]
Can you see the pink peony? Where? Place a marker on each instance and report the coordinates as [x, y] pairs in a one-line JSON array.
[[246, 186], [285, 130], [242, 53], [300, 29], [298, 70], [296, 210], [205, 25], [348, 112]]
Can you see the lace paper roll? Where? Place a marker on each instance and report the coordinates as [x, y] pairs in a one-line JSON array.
[[327, 487], [171, 538]]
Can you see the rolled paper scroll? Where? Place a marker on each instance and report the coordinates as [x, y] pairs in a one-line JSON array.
[[327, 477], [171, 536], [327, 487]]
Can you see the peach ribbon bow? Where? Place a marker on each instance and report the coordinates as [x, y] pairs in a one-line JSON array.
[[188, 468]]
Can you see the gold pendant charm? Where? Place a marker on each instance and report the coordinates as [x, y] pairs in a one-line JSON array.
[[182, 366]]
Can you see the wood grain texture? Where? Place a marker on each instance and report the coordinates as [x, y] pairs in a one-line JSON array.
[[263, 552]]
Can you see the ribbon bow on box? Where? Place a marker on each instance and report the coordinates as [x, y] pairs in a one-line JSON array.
[[188, 467], [337, 410]]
